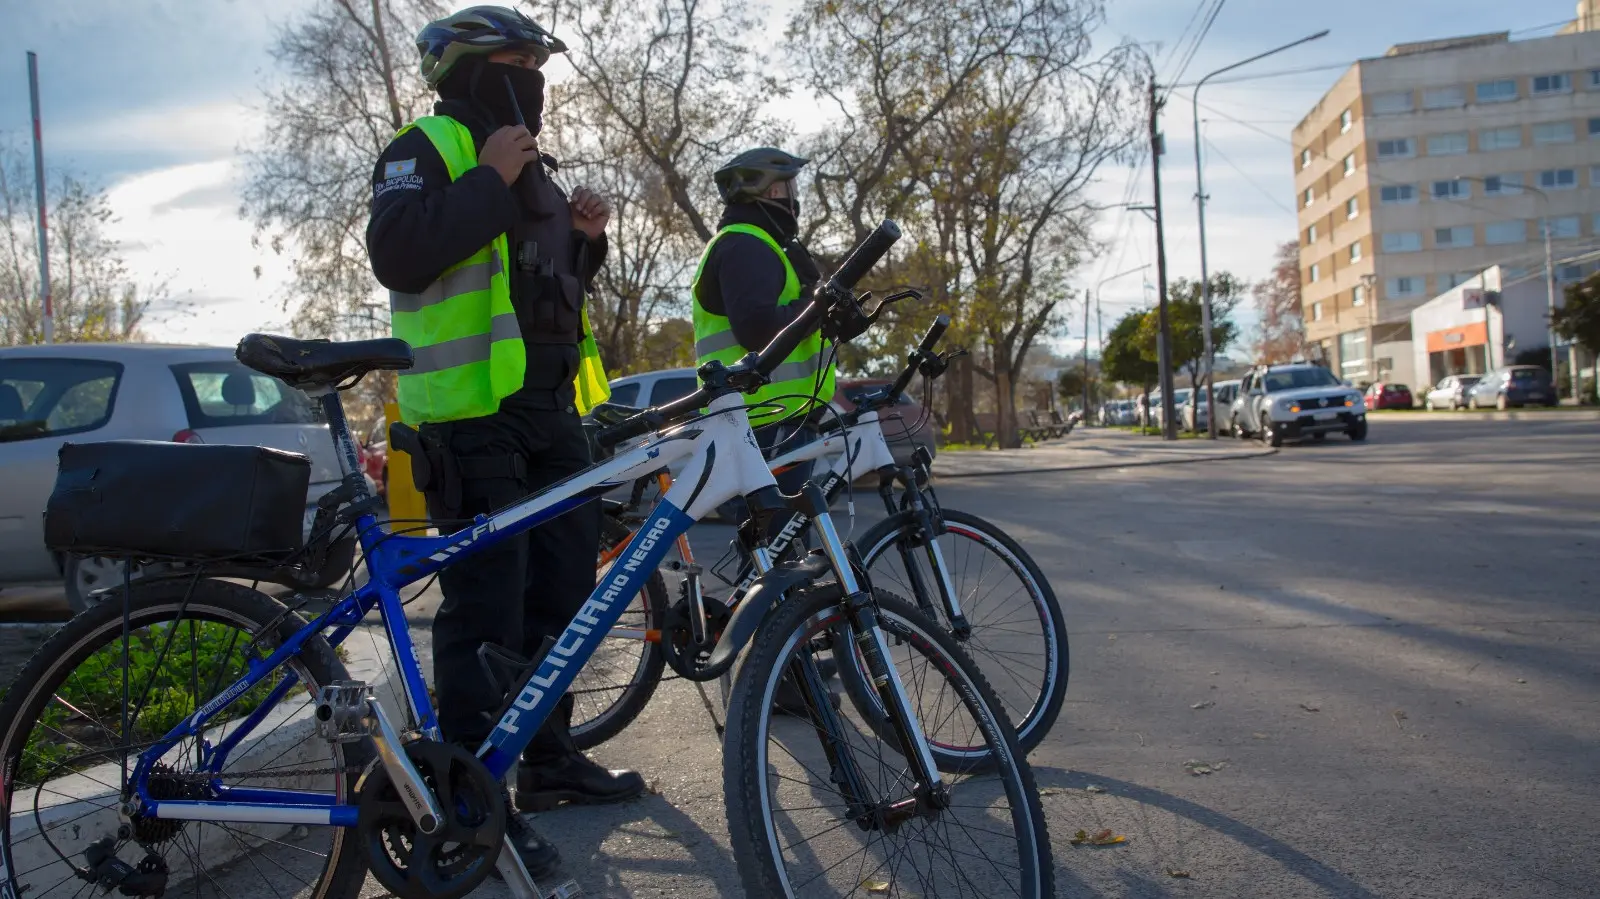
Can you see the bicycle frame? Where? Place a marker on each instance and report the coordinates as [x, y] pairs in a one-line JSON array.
[[724, 462]]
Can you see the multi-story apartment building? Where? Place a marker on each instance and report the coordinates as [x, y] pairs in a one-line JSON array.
[[1421, 168]]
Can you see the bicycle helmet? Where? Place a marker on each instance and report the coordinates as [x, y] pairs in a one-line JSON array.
[[479, 31], [748, 175]]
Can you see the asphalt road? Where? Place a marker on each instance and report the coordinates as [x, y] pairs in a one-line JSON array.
[[1387, 654]]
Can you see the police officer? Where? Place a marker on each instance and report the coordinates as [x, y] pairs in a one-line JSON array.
[[488, 262]]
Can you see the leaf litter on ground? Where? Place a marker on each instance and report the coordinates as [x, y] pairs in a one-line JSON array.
[[1198, 768], [1099, 838]]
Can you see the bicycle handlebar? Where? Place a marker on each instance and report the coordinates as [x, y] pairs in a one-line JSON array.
[[836, 291], [914, 358]]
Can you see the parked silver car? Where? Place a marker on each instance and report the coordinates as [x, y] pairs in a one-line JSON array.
[[1451, 392], [87, 393], [1197, 415], [1288, 402]]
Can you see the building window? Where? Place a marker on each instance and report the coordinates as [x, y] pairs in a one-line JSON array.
[[1569, 273], [1402, 241], [1311, 235], [1594, 176], [1350, 161], [1459, 236], [1390, 194], [1553, 133], [1564, 228], [1447, 144], [1500, 185], [1351, 208], [1594, 79], [1505, 232], [1497, 91], [1409, 286], [1388, 104], [1305, 159], [1594, 128], [1310, 197], [1558, 179], [1346, 120], [1455, 189], [1500, 139], [1315, 273], [1444, 98], [1455, 279], [1355, 251], [1353, 354], [1552, 84], [1358, 296], [1316, 311], [1398, 148]]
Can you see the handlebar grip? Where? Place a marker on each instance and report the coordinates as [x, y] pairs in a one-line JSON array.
[[627, 429], [866, 255], [940, 325], [650, 419]]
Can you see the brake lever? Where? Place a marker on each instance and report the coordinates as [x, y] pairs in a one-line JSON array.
[[886, 302], [935, 365]]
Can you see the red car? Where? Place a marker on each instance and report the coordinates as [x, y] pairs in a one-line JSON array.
[[375, 456], [1388, 396]]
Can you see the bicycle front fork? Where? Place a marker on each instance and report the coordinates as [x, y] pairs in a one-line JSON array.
[[924, 536]]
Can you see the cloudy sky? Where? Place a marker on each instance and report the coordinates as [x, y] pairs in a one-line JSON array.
[[153, 98]]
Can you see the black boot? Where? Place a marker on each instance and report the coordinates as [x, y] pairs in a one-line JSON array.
[[553, 771], [787, 700], [538, 855]]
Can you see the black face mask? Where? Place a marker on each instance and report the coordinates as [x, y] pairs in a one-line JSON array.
[[508, 94]]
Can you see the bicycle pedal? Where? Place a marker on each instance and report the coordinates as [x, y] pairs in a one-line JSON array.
[[566, 890], [341, 713]]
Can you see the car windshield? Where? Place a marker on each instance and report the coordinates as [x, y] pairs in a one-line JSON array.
[[1298, 379], [1527, 374], [1468, 382]]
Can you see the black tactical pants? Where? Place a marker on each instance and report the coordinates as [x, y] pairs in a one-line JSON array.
[[525, 588]]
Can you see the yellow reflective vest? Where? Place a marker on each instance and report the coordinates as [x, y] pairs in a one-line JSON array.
[[796, 378], [462, 329]]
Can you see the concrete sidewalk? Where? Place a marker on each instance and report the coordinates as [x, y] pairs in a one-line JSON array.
[[1092, 449], [1573, 413]]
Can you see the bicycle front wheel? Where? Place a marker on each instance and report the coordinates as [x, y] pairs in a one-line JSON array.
[[799, 831], [106, 688], [1018, 633]]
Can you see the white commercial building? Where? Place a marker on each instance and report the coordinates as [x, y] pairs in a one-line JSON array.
[[1476, 325]]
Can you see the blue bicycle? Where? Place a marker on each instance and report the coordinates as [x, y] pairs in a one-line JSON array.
[[191, 729]]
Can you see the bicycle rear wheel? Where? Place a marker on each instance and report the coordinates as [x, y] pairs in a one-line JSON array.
[[622, 675], [794, 829], [1018, 632], [69, 740]]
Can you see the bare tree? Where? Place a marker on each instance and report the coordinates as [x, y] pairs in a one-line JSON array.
[[347, 86], [95, 298], [1283, 324]]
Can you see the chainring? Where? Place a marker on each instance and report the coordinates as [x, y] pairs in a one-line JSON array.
[[455, 859], [677, 637]]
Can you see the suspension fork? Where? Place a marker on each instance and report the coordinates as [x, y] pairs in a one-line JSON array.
[[927, 527], [868, 639]]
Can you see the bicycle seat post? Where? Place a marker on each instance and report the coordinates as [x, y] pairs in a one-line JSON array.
[[339, 429]]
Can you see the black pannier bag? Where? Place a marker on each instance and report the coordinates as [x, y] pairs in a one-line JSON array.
[[182, 500]]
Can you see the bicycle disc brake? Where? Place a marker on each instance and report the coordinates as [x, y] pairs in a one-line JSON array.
[[677, 639], [453, 860]]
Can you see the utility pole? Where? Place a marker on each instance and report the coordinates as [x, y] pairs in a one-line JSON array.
[[1097, 289], [1169, 426], [1086, 358], [49, 320], [1550, 306]]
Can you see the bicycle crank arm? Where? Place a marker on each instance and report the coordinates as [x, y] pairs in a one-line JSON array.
[[521, 883], [418, 799]]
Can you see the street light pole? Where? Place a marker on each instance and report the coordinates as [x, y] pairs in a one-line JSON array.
[[1200, 199]]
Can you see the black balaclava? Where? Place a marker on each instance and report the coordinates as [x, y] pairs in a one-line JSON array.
[[490, 87], [779, 218]]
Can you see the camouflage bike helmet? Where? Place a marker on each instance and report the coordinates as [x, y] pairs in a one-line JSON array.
[[479, 31], [748, 175]]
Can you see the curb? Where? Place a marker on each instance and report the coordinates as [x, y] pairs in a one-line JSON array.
[[1101, 466]]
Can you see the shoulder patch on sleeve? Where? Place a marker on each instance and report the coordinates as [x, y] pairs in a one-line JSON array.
[[399, 167]]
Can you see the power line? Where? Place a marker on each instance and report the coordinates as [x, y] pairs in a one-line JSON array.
[[1175, 51], [1235, 79], [1194, 47], [1253, 183]]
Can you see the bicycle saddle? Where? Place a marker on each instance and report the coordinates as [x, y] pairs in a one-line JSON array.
[[313, 364]]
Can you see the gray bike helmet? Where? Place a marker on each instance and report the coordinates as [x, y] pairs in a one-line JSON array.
[[479, 31], [747, 176]]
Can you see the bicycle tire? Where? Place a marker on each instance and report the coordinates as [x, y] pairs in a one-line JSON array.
[[756, 840], [154, 602], [1033, 722], [590, 730]]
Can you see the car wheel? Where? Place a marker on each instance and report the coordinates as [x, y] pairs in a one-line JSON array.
[[1236, 428], [86, 576], [1500, 402], [1270, 434], [1428, 404], [1358, 431], [1320, 436], [1472, 403], [1455, 406]]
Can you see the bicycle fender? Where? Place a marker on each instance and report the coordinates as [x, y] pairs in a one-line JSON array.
[[752, 609]]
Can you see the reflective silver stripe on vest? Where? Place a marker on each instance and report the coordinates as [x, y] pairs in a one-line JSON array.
[[715, 343], [805, 368], [467, 279], [464, 350]]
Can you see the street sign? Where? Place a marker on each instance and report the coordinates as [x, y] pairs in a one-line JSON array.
[[1472, 298]]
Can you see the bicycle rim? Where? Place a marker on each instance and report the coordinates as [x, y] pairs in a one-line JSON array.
[[799, 839], [63, 749], [1018, 636]]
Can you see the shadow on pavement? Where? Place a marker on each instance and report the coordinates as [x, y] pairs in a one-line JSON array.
[[607, 848], [1160, 858]]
